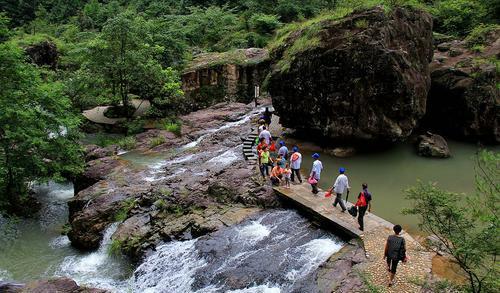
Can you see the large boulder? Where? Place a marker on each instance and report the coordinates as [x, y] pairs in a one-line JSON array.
[[212, 78], [464, 99], [363, 77], [433, 145]]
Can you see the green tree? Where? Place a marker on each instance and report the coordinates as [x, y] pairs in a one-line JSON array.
[[122, 55], [38, 131], [467, 227]]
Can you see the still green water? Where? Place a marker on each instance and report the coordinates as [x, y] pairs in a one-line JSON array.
[[389, 172]]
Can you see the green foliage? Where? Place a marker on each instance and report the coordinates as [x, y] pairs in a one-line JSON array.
[[126, 205], [156, 141], [115, 247], [127, 143], [368, 283], [169, 99], [135, 126], [477, 48], [263, 23], [467, 227], [458, 17], [480, 34], [38, 130], [172, 126]]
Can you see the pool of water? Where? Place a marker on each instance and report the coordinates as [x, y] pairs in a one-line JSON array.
[[391, 171], [34, 248]]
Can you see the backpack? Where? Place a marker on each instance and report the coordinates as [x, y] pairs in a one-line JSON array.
[[361, 200]]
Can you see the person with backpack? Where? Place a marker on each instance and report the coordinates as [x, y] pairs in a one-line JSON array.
[[395, 251], [341, 184], [295, 162], [363, 204]]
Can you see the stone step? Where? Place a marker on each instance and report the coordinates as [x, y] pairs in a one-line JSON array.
[[252, 135]]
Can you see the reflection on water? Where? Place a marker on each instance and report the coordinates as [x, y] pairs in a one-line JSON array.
[[389, 172]]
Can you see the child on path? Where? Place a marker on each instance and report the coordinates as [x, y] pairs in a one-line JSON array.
[[264, 159], [287, 174]]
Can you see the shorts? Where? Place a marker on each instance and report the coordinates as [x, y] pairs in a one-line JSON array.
[[392, 264]]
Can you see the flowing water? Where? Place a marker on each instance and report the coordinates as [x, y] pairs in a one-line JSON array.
[[34, 248], [276, 251], [391, 171]]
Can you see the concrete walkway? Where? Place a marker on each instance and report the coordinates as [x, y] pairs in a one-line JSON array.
[[374, 237], [96, 114]]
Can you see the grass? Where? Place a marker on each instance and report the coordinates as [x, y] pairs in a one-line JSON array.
[[237, 57], [115, 247], [298, 37], [174, 126], [480, 34], [127, 143], [156, 141], [126, 206], [372, 288]]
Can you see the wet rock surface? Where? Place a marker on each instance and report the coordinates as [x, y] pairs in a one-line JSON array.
[[464, 99], [60, 285], [366, 79], [195, 184], [433, 145]]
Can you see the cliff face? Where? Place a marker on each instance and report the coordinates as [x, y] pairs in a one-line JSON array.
[[230, 76], [363, 77], [464, 100]]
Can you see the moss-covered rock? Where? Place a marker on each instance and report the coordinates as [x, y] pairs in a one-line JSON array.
[[361, 77]]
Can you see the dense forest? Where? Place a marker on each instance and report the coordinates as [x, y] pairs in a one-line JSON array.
[[109, 50]]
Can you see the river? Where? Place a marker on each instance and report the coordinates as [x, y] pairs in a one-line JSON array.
[[389, 172]]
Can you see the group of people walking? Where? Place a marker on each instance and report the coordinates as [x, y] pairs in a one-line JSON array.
[[285, 167]]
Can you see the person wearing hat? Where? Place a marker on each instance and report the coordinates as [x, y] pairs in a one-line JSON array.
[[341, 184], [283, 151], [295, 161], [317, 167]]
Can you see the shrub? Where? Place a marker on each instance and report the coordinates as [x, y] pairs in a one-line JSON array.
[[477, 48], [127, 143], [457, 17], [172, 126], [264, 23], [480, 34], [115, 247], [135, 126], [156, 141]]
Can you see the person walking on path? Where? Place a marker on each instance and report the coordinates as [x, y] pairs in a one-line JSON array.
[[264, 160], [295, 161], [266, 135], [395, 251], [341, 184], [363, 203], [283, 151], [315, 175]]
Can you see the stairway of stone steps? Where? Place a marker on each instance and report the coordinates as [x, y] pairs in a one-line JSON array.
[[248, 144]]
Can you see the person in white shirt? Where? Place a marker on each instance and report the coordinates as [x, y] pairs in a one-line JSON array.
[[295, 162], [341, 184], [266, 135], [262, 125], [316, 172]]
